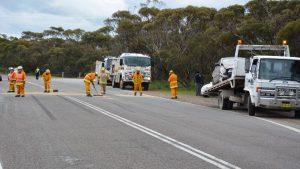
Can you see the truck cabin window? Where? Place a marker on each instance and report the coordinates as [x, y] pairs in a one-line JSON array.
[[279, 69], [137, 61]]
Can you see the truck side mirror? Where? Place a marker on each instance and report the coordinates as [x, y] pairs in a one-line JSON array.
[[121, 62]]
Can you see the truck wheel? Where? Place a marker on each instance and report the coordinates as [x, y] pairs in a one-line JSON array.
[[114, 85], [229, 105], [251, 108], [146, 87], [297, 113], [223, 102], [122, 85]]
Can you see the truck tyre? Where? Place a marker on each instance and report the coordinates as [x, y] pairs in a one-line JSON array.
[[114, 85], [146, 87], [223, 102], [297, 113], [229, 105], [122, 85], [251, 108]]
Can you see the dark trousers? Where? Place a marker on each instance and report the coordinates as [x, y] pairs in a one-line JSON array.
[[37, 76], [198, 89]]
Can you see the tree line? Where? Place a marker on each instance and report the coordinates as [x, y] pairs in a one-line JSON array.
[[185, 40]]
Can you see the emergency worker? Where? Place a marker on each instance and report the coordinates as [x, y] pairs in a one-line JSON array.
[[11, 80], [37, 73], [137, 79], [20, 82], [88, 79], [103, 77], [47, 80], [173, 84]]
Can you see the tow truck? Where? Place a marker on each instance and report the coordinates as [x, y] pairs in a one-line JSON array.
[[261, 81]]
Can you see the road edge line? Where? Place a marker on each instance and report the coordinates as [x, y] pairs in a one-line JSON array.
[[279, 124]]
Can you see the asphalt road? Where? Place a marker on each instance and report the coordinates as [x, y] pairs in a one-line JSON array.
[[67, 130]]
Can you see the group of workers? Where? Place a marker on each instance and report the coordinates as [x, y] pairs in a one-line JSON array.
[[137, 79], [18, 78]]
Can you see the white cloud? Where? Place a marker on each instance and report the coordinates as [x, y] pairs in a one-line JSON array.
[[70, 14], [37, 15]]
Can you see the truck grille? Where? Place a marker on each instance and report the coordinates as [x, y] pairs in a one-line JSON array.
[[286, 93]]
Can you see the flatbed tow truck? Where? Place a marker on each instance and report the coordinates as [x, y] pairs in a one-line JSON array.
[[261, 81]]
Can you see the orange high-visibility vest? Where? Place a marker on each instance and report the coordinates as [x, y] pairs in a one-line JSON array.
[[46, 76], [173, 81], [89, 77], [21, 76], [137, 78], [12, 76]]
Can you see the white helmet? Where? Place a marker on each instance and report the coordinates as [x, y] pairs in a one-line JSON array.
[[20, 68], [138, 68], [48, 70], [10, 68]]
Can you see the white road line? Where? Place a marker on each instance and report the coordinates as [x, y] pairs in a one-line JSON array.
[[184, 147], [0, 166], [270, 121], [278, 124]]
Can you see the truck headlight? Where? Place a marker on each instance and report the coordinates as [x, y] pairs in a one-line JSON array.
[[148, 78]]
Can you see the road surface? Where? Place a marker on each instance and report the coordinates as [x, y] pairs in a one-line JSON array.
[[67, 130]]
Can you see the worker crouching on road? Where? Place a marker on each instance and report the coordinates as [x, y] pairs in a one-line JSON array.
[[20, 82], [47, 80], [11, 80], [173, 84], [137, 81], [88, 79], [103, 77]]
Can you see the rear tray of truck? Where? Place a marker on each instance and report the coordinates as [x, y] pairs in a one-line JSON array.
[[236, 82]]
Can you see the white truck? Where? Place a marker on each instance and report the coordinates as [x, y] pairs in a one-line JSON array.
[[261, 81], [123, 67]]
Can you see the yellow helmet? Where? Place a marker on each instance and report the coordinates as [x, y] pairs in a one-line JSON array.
[[103, 69]]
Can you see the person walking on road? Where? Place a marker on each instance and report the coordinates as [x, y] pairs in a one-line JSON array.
[[37, 73], [20, 82], [103, 77], [137, 79], [47, 80], [88, 79], [198, 83], [173, 84], [11, 80]]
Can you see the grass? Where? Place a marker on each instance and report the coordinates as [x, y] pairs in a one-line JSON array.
[[163, 86]]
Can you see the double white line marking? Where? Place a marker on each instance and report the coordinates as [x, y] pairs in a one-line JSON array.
[[184, 147]]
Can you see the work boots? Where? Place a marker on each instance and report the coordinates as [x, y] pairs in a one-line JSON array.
[[89, 95]]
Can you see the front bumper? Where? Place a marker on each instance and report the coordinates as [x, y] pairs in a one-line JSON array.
[[279, 104]]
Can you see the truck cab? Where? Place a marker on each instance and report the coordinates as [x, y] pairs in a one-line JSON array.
[[124, 67], [273, 82]]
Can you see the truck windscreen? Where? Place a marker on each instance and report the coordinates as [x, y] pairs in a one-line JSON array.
[[279, 69], [137, 61]]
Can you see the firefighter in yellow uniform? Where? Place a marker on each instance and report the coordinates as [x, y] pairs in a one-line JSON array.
[[88, 79], [137, 81], [173, 84], [11, 80], [20, 82], [47, 80], [103, 77]]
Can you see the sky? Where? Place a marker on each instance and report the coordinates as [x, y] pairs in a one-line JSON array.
[[37, 15]]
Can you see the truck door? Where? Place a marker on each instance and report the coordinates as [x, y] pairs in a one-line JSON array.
[[251, 76]]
